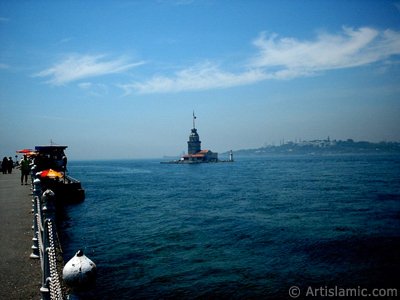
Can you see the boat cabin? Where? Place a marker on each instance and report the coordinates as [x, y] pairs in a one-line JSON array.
[[51, 157]]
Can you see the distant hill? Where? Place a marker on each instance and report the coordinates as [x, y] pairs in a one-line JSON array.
[[325, 147]]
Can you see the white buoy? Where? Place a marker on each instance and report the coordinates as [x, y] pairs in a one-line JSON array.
[[79, 272]]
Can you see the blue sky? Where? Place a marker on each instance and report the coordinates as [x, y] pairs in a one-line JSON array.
[[120, 79]]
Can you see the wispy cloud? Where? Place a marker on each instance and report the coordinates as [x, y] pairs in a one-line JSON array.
[[3, 19], [94, 89], [282, 58], [78, 67], [276, 58], [4, 66], [85, 85], [350, 48], [200, 77]]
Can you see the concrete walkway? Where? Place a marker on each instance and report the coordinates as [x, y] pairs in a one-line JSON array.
[[19, 275]]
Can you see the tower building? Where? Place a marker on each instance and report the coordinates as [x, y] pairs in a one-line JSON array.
[[194, 143], [195, 154]]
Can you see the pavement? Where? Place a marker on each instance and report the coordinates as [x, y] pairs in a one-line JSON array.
[[20, 276]]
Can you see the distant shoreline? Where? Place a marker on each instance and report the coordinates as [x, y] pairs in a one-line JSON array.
[[325, 147]]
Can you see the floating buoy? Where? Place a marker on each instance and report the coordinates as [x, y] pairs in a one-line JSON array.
[[79, 272]]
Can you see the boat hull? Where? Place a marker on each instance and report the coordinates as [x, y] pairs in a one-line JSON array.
[[68, 191]]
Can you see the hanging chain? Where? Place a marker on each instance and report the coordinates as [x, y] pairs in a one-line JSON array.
[[55, 287], [55, 284]]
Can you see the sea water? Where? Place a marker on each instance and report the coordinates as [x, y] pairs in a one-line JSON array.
[[244, 230]]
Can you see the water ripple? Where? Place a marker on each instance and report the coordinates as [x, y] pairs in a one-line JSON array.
[[245, 230]]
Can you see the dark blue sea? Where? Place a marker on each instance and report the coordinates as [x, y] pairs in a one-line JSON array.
[[244, 230]]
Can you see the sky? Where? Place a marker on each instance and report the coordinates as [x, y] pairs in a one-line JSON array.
[[121, 79]]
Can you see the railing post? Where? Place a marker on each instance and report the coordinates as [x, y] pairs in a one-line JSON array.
[[48, 204], [44, 213], [45, 290], [35, 246], [37, 187], [33, 173]]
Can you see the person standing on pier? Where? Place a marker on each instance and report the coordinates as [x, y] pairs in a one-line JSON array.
[[25, 169], [10, 165], [4, 165]]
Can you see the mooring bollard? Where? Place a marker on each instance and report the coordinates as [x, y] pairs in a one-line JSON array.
[[79, 272]]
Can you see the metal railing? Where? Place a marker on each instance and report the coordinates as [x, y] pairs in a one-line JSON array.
[[46, 245]]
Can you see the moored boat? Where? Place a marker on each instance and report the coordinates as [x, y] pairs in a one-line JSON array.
[[52, 162]]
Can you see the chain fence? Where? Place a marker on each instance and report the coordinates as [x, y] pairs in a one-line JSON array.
[[46, 245]]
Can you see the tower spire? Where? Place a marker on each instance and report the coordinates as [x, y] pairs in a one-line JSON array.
[[194, 118]]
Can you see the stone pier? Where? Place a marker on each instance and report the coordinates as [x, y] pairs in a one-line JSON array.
[[19, 275]]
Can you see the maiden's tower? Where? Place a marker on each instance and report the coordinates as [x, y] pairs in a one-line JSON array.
[[195, 154]]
